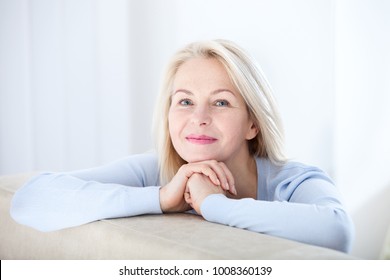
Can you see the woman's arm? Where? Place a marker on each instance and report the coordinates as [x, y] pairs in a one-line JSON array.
[[313, 214], [52, 201], [127, 187]]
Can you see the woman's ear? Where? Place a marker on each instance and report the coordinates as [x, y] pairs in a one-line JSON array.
[[252, 131]]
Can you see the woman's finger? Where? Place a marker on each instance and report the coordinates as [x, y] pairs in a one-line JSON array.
[[230, 179], [218, 173], [224, 175]]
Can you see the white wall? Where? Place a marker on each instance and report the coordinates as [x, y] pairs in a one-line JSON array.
[[362, 154], [64, 83], [78, 82]]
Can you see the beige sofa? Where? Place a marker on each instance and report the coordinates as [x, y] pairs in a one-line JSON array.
[[173, 236]]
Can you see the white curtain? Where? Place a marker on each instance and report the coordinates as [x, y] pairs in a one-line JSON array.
[[79, 79]]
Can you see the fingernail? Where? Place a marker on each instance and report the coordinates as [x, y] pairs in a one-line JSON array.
[[227, 186]]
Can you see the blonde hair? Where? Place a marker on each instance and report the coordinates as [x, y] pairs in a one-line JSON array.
[[249, 80]]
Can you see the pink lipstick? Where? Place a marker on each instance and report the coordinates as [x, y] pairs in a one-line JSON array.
[[201, 139]]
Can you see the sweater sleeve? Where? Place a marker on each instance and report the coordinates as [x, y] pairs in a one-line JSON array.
[[305, 208], [53, 201]]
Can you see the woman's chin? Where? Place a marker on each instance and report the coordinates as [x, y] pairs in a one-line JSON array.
[[199, 158]]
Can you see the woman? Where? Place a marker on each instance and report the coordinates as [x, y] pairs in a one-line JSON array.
[[219, 153]]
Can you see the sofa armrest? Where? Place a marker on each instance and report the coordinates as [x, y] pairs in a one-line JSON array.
[[385, 253], [168, 236]]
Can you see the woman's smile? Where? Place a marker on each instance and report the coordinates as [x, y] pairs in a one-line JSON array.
[[201, 139]]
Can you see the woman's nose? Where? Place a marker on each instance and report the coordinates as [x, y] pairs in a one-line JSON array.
[[201, 116]]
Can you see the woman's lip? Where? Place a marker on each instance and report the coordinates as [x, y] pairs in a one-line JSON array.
[[201, 139]]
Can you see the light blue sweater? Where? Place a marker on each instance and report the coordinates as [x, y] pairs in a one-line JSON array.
[[294, 201]]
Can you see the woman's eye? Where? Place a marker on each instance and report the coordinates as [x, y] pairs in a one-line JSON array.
[[185, 102], [221, 103]]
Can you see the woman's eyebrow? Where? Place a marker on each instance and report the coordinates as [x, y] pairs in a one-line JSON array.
[[184, 91], [212, 93], [222, 90]]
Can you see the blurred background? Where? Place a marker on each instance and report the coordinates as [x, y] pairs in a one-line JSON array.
[[79, 80]]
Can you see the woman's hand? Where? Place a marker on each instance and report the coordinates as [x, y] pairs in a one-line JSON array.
[[198, 188], [172, 195]]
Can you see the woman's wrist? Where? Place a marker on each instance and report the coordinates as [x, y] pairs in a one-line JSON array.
[[171, 204], [163, 204]]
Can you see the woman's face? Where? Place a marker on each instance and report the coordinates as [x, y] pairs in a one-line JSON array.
[[208, 118]]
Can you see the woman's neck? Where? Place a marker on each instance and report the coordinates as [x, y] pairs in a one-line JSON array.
[[244, 171]]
